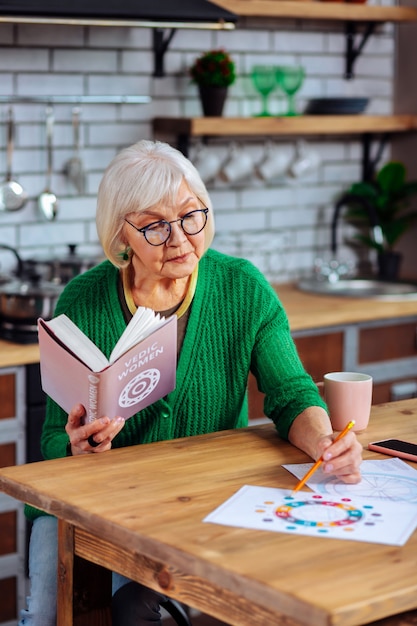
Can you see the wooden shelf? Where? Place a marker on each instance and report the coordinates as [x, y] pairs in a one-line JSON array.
[[300, 125], [368, 126], [315, 10]]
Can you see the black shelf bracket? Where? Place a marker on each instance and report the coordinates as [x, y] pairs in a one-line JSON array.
[[183, 143], [352, 50], [369, 162], [161, 41]]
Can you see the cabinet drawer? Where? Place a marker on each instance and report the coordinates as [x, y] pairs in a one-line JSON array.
[[255, 399], [386, 343], [8, 595], [7, 396], [8, 532], [8, 454], [383, 392], [321, 353]]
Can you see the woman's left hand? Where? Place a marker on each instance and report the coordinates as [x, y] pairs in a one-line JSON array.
[[341, 458]]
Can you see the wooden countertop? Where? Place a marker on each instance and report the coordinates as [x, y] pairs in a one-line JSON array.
[[309, 311], [305, 311], [14, 354]]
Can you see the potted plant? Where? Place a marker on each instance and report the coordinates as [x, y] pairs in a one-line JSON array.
[[388, 197], [213, 72]]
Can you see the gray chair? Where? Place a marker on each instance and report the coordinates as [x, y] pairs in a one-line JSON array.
[[177, 612]]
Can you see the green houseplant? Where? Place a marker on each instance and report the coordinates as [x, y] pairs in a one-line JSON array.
[[213, 72], [389, 194]]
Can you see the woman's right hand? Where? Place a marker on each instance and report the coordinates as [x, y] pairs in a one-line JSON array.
[[94, 437]]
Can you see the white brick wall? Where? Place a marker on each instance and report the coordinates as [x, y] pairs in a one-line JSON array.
[[281, 226]]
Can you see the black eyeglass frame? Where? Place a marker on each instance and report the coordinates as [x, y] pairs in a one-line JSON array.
[[144, 229]]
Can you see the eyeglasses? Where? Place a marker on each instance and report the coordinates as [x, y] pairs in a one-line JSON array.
[[159, 232]]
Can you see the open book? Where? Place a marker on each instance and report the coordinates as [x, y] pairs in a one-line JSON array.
[[141, 368]]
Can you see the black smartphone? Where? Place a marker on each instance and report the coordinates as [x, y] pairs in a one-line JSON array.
[[395, 447]]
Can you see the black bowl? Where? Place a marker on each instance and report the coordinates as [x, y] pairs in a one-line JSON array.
[[336, 106]]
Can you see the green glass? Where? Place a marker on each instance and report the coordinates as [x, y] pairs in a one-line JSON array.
[[290, 79], [265, 81]]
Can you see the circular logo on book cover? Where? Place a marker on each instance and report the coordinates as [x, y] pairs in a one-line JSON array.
[[139, 387]]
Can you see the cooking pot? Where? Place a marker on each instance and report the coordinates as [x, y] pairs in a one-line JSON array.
[[61, 269], [23, 299], [4, 278]]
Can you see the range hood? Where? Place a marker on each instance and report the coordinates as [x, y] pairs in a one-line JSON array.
[[153, 13]]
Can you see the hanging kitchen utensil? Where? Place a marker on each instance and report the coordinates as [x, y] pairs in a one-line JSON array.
[[12, 195], [74, 168], [47, 201]]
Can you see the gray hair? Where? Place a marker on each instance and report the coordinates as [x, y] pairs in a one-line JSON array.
[[140, 177]]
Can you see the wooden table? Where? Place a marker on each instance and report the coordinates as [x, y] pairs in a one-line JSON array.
[[139, 511]]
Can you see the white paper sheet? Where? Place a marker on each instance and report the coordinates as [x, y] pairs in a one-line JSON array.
[[388, 479], [305, 513]]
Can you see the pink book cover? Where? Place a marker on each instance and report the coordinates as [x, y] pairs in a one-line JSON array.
[[141, 376]]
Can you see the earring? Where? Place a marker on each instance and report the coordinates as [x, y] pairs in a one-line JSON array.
[[124, 254]]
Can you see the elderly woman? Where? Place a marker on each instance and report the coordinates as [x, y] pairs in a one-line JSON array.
[[155, 222]]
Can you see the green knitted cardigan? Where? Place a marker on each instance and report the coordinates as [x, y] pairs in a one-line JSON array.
[[236, 325]]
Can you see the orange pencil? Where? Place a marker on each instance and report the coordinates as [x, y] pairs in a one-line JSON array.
[[320, 461]]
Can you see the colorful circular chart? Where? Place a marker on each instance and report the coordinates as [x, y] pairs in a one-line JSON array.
[[318, 515], [318, 512]]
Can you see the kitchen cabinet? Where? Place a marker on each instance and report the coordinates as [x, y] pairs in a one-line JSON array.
[[12, 522], [387, 343], [321, 353], [387, 350]]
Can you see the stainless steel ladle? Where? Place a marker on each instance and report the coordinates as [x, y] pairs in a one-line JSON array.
[[12, 195], [47, 201], [74, 168]]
